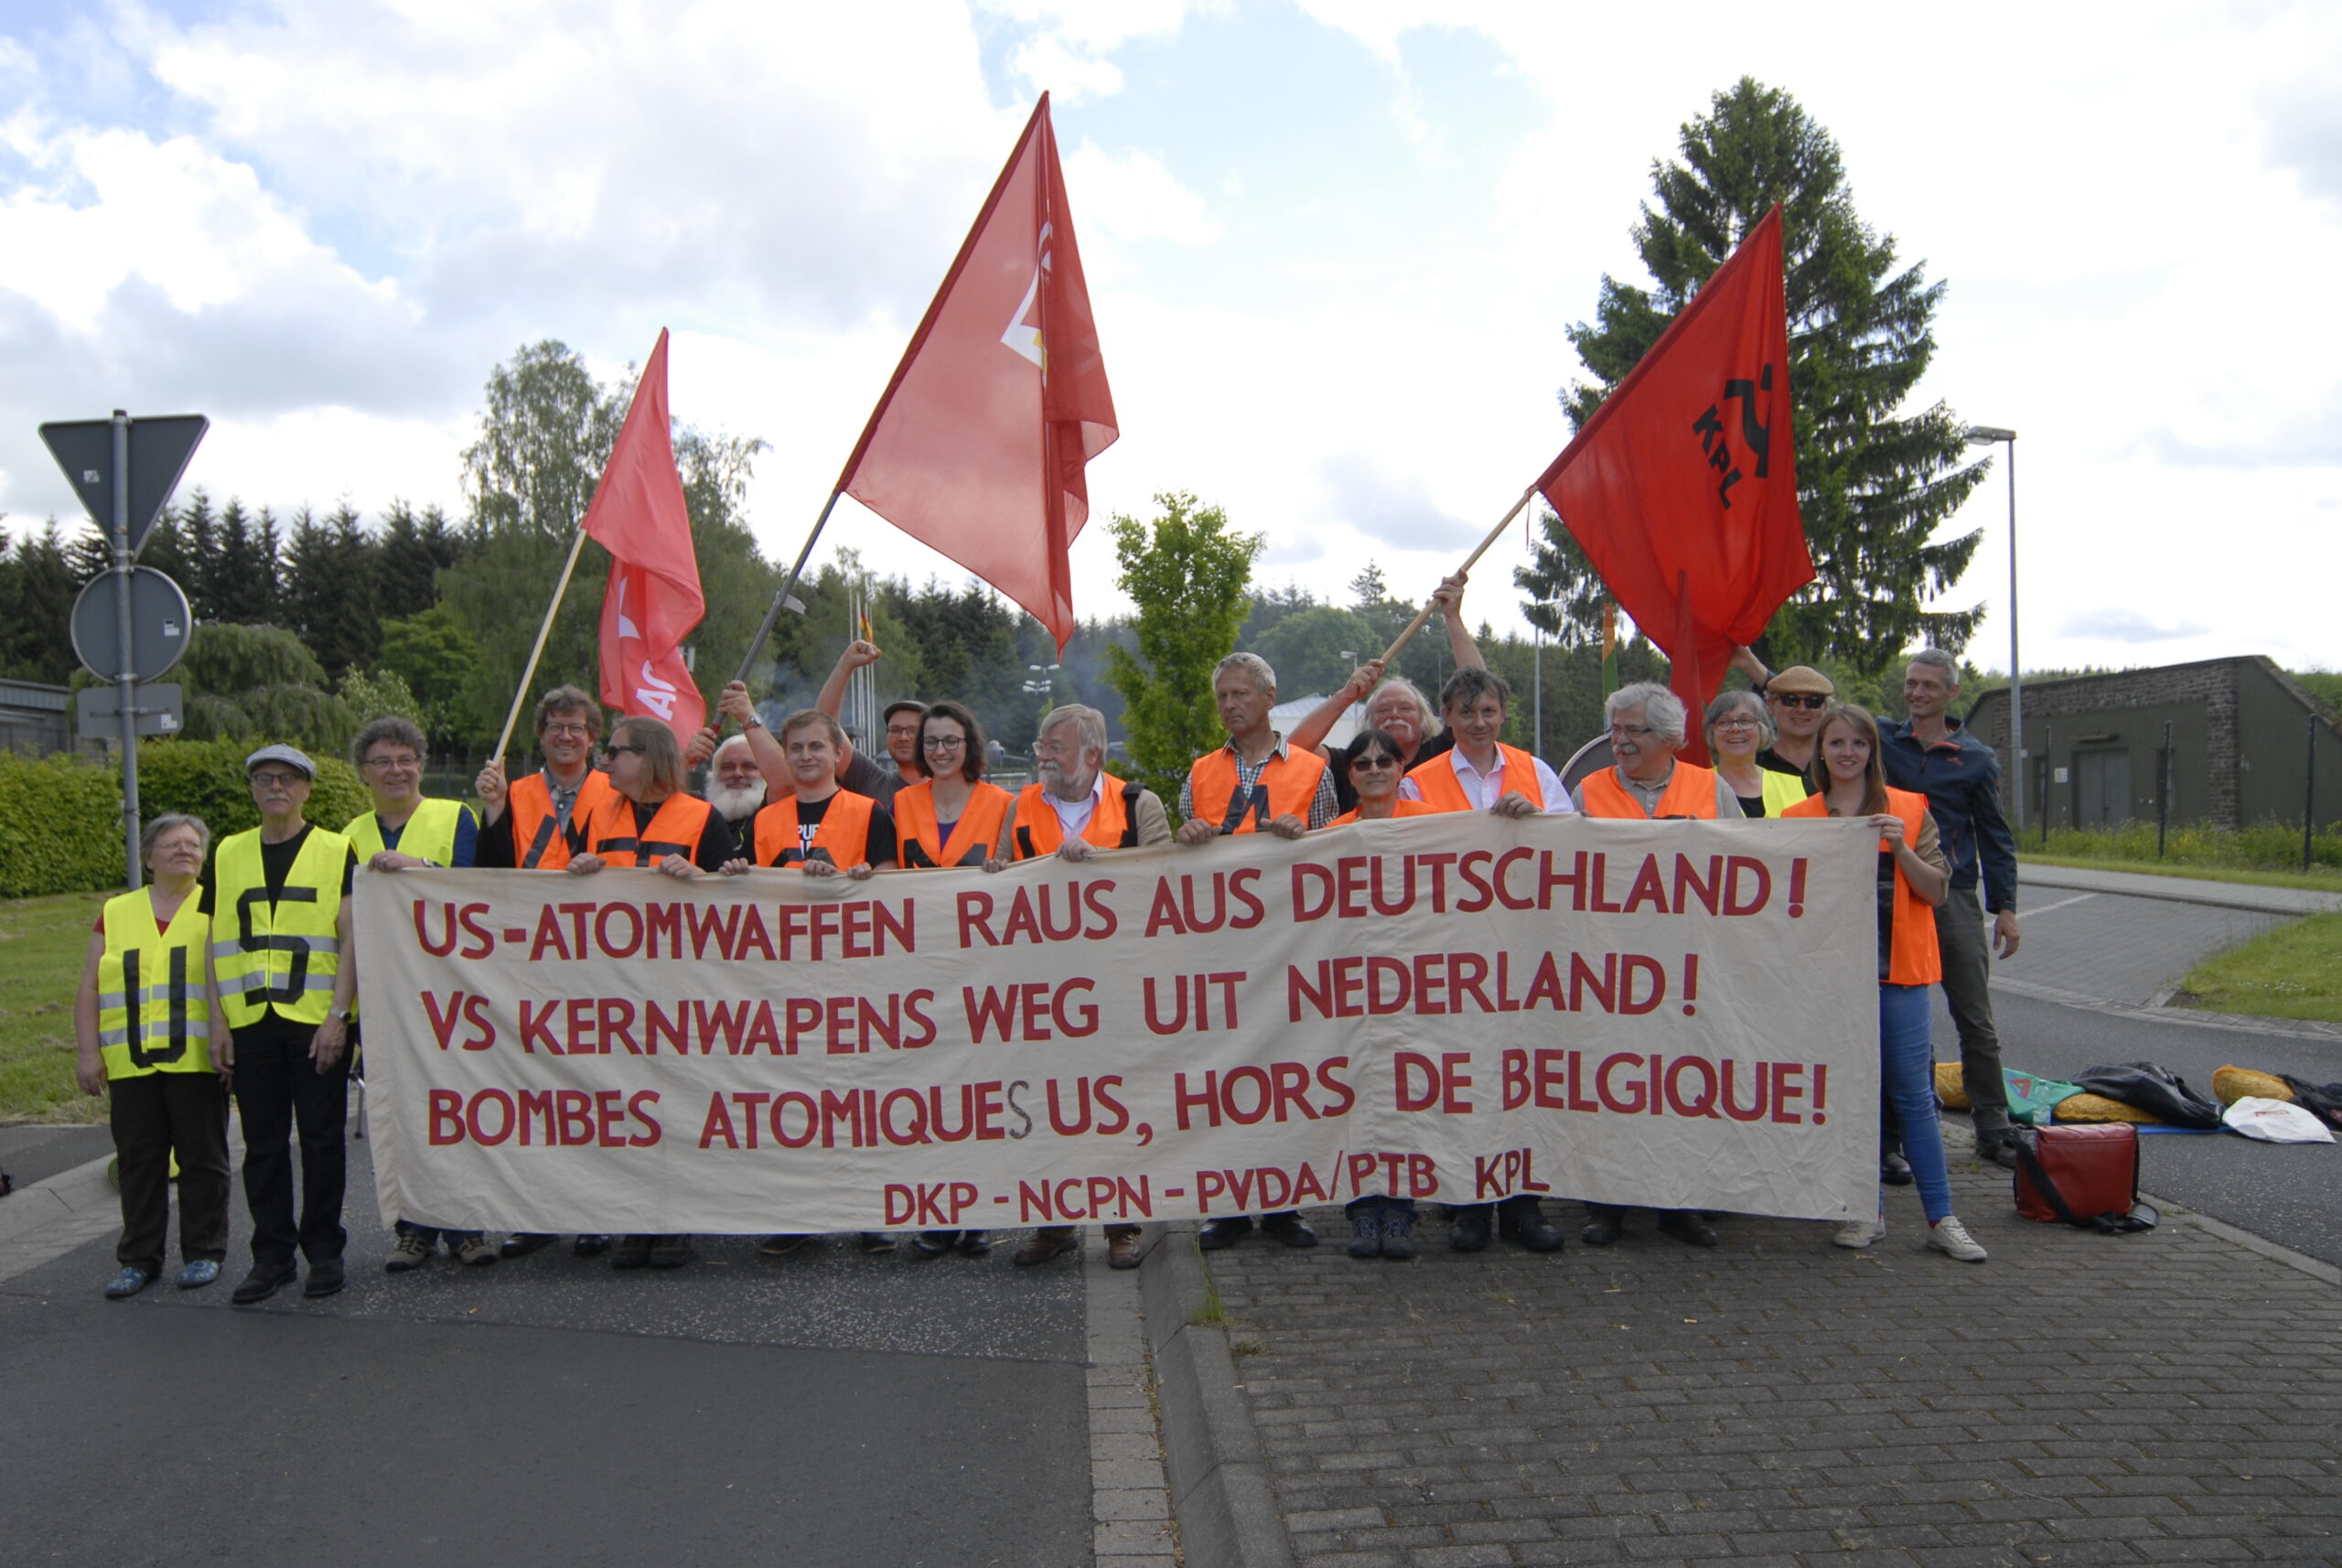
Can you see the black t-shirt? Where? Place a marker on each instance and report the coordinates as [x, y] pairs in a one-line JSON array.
[[1346, 798], [877, 845], [864, 776], [1772, 761], [716, 844], [1750, 805], [276, 864]]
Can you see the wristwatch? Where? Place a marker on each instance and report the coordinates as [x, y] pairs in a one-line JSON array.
[[346, 1014], [746, 724]]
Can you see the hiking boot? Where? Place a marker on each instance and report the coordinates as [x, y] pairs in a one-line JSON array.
[[1366, 1233], [1049, 1241], [473, 1250], [410, 1251], [1399, 1233]]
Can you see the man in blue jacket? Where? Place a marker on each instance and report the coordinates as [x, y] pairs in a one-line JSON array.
[[1931, 753]]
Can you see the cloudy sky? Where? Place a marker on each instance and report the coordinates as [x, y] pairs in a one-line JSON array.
[[1333, 247]]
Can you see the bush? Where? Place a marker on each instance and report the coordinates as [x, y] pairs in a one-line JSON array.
[[2260, 847], [206, 779], [60, 826]]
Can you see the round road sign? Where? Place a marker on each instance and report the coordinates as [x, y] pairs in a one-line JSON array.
[[159, 624]]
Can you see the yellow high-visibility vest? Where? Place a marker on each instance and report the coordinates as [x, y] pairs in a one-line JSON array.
[[282, 955], [429, 834], [152, 1014]]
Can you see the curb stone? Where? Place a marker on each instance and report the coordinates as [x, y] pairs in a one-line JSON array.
[[1221, 1494]]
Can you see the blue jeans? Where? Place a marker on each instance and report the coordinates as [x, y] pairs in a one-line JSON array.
[[1907, 1060]]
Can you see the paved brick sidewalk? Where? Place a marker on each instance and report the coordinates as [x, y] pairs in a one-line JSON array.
[[2156, 1398]]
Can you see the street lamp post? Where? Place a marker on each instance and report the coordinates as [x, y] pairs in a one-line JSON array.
[[1988, 435]]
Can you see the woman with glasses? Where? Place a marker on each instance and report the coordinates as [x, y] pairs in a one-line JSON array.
[[1737, 730], [1913, 879], [950, 817]]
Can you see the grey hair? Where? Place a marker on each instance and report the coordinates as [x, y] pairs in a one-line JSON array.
[[396, 728], [1427, 720], [1729, 703], [1663, 709], [1090, 721], [1938, 659], [1252, 665], [729, 741], [154, 831]]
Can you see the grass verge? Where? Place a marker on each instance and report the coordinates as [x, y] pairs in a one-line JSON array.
[[43, 942], [2315, 882], [2294, 971]]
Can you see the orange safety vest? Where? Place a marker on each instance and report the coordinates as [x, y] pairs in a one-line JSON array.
[[1112, 824], [842, 839], [541, 842], [919, 837], [1913, 958], [1443, 791], [1288, 787], [674, 829], [1691, 792], [1404, 809]]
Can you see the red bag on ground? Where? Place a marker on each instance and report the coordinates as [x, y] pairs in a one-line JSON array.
[[2085, 1176]]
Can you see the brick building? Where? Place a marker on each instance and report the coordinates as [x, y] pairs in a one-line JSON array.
[[2240, 735]]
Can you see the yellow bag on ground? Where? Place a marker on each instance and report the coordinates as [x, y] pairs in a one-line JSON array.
[[2098, 1107], [1951, 1087], [2232, 1083]]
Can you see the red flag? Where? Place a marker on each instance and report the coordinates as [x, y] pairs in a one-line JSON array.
[[1682, 487], [654, 599], [979, 445]]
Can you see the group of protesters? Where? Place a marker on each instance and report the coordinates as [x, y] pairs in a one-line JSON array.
[[234, 970]]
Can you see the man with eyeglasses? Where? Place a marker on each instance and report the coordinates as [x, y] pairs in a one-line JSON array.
[[285, 949], [1647, 726], [539, 821], [405, 832], [736, 785]]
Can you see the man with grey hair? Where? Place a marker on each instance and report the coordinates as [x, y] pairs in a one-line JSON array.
[[1931, 754], [1648, 724], [736, 788], [1072, 810]]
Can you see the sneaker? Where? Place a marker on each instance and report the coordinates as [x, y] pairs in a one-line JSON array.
[[1950, 1238], [1399, 1233], [410, 1251], [200, 1273], [127, 1284], [1366, 1233], [1859, 1233], [473, 1250]]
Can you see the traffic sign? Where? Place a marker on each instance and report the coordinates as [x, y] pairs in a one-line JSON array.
[[158, 454], [157, 710], [159, 624]]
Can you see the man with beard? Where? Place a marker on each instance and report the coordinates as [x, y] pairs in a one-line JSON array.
[[735, 787]]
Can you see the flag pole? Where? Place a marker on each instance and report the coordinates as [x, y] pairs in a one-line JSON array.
[[780, 600], [1423, 615], [537, 652]]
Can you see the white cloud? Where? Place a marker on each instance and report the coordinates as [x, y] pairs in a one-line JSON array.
[[1133, 198]]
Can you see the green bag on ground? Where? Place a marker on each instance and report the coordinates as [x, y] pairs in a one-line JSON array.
[[2031, 1099]]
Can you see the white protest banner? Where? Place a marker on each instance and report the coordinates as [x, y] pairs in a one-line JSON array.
[[1456, 1008]]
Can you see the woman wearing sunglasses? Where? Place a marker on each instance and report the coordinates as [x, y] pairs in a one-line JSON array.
[[950, 817], [1913, 879]]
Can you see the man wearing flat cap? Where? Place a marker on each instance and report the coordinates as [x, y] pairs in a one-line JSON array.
[[1797, 698], [278, 896]]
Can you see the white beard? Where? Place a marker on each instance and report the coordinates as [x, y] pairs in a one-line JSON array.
[[735, 805]]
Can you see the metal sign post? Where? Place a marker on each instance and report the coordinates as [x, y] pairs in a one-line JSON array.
[[127, 680]]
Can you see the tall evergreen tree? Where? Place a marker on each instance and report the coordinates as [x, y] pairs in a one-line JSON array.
[[244, 579], [1874, 485], [37, 589], [415, 548], [199, 538]]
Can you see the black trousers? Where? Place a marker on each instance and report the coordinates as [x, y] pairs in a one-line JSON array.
[[277, 1086], [155, 1116]]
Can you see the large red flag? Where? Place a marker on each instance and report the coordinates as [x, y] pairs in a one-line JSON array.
[[979, 445], [654, 599], [1682, 487]]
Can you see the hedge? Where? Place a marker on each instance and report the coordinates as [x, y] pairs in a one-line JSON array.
[[60, 817]]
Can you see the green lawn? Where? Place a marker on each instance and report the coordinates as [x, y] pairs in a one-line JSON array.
[[2295, 972], [43, 942], [2316, 882]]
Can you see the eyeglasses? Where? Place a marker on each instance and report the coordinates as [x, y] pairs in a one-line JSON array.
[[943, 743], [277, 781], [1630, 731], [385, 764], [570, 731], [1736, 721], [614, 750], [1799, 699]]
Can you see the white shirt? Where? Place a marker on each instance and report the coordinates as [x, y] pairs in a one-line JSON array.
[[1483, 789], [1074, 815]]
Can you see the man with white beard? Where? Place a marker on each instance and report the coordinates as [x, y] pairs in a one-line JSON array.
[[735, 787]]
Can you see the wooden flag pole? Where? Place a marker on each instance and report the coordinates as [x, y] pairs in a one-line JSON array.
[[1416, 625], [537, 652]]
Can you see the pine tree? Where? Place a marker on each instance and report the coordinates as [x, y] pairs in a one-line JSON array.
[[198, 537], [244, 579], [1873, 485], [37, 591]]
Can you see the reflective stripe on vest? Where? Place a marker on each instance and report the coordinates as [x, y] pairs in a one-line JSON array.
[[1112, 824], [675, 829], [843, 838], [429, 834], [280, 955], [541, 841], [1913, 957], [919, 837], [1691, 792], [1444, 791], [151, 1015], [1287, 788]]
